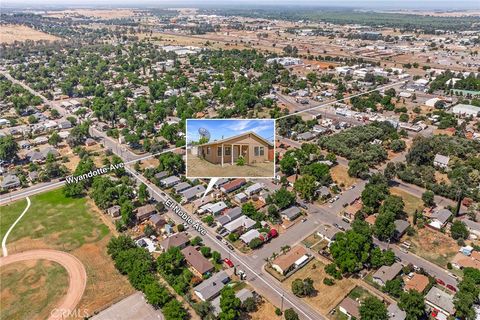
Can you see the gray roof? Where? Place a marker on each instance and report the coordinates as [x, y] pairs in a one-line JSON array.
[[291, 212], [472, 225], [161, 174], [170, 180], [51, 151], [217, 207], [386, 273], [223, 220], [192, 192], [234, 213], [10, 181], [395, 313], [323, 191], [441, 215], [440, 299], [254, 188], [401, 226], [244, 294], [220, 181], [181, 186], [35, 155], [249, 235], [211, 287], [328, 231], [441, 159]]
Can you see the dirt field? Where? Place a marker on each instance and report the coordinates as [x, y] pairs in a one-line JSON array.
[[266, 310], [9, 33], [76, 283], [327, 297], [433, 246], [40, 284], [197, 167], [340, 176], [71, 225]]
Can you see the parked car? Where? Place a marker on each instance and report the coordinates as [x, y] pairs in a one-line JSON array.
[[449, 286], [228, 262], [440, 282], [219, 237], [231, 247]]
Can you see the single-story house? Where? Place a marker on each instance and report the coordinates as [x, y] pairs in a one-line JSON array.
[[210, 288], [323, 192], [441, 161], [217, 208], [417, 282], [65, 124], [170, 181], [229, 215], [197, 261], [144, 212], [192, 193], [90, 142], [291, 213], [220, 182], [181, 186], [157, 220], [249, 145], [32, 176], [249, 236], [241, 197], [40, 140], [439, 218], [114, 211], [161, 174], [243, 222], [395, 313], [387, 273], [296, 258], [440, 300], [177, 240], [232, 185], [10, 181], [473, 226], [328, 233], [253, 189], [401, 227], [350, 308]]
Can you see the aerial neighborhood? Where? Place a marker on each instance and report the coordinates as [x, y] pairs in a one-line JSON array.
[[224, 163]]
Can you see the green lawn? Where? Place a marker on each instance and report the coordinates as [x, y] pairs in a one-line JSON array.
[[64, 223], [40, 286]]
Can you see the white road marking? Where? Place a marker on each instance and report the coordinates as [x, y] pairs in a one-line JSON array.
[[4, 241]]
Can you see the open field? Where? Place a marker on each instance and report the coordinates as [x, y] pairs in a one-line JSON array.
[[93, 13], [327, 297], [340, 176], [40, 284], [433, 246], [412, 202], [9, 33], [56, 222]]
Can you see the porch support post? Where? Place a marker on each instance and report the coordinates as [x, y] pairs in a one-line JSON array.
[[231, 153], [222, 154]]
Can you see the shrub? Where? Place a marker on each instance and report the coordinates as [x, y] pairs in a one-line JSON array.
[[240, 161], [328, 281]]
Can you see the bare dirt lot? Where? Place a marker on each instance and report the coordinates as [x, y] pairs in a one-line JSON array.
[[9, 33], [327, 297], [197, 167], [340, 176]]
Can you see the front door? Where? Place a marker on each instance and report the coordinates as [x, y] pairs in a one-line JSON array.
[[235, 152]]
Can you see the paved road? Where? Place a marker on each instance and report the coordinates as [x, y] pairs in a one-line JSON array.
[[76, 274], [263, 283], [30, 191]]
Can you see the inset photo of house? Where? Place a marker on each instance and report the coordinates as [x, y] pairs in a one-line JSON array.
[[232, 148]]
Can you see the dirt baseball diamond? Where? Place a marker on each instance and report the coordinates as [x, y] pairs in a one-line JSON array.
[[76, 274]]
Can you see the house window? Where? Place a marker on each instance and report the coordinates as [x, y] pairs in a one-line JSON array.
[[228, 151], [259, 151], [219, 151], [208, 150]]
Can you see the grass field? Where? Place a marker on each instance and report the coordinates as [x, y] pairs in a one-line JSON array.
[[327, 297], [412, 203], [41, 281], [73, 225], [12, 32], [63, 223]]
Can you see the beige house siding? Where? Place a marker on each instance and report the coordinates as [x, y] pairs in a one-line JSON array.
[[244, 145]]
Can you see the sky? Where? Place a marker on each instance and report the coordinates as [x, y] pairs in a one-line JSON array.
[[225, 128], [379, 4]]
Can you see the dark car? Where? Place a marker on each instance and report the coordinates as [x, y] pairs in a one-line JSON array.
[[230, 247], [449, 286], [218, 237]]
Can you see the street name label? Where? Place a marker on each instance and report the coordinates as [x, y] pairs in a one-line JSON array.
[[94, 173], [185, 217]]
